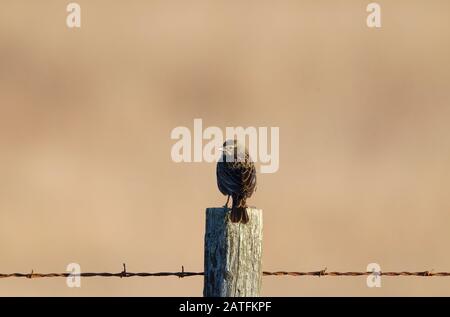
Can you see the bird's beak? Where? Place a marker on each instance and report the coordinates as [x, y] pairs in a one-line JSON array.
[[221, 149]]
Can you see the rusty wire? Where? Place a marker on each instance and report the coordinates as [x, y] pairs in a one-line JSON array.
[[325, 273], [182, 274]]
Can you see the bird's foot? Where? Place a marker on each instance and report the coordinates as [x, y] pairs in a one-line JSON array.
[[226, 204]]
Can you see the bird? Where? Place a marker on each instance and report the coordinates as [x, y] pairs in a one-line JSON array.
[[236, 178]]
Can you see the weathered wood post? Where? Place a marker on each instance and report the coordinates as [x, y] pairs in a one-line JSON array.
[[232, 254]]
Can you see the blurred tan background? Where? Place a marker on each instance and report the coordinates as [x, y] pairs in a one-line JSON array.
[[85, 120]]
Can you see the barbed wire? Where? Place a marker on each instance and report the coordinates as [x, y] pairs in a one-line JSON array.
[[325, 273], [125, 273]]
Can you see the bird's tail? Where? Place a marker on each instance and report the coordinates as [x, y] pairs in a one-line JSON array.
[[239, 212]]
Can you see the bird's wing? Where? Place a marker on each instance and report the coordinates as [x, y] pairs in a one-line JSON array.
[[248, 180]]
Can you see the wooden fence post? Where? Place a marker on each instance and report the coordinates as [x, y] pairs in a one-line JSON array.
[[232, 254]]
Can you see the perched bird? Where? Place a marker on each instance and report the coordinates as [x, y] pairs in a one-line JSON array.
[[236, 177]]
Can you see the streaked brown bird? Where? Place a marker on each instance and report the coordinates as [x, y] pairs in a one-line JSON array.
[[236, 177]]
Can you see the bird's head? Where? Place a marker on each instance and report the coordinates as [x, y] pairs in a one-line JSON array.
[[233, 151], [229, 147]]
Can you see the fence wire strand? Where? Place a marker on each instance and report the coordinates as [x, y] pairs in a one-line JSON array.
[[182, 274]]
